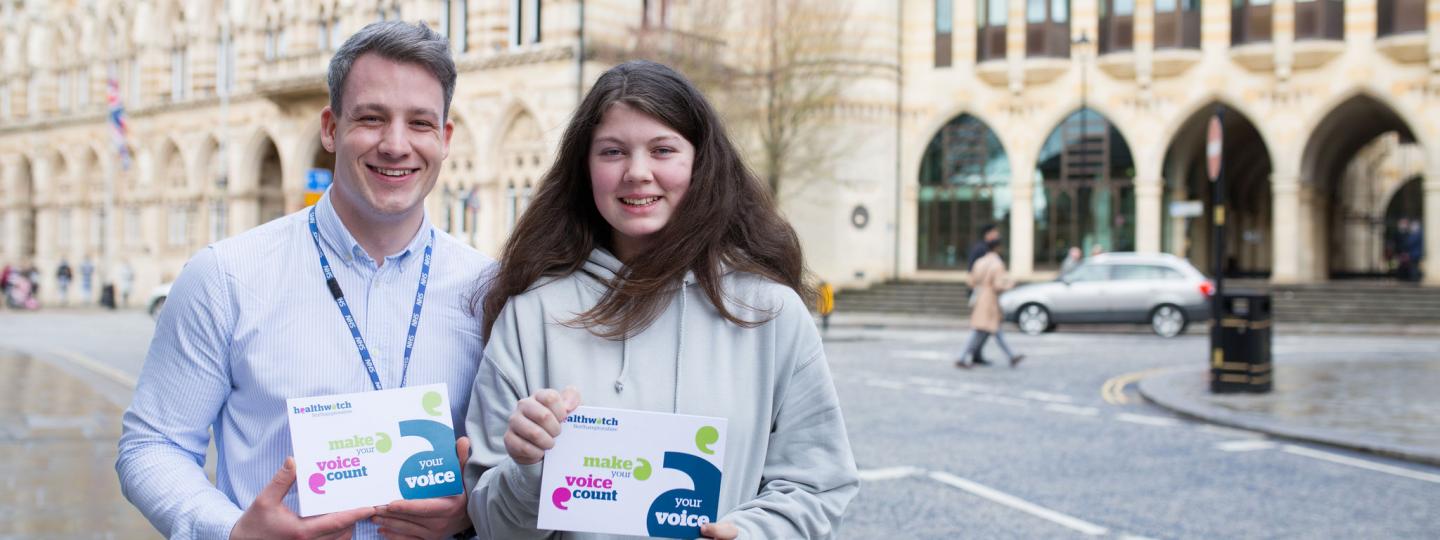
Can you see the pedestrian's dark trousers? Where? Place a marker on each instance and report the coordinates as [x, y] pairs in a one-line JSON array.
[[977, 343]]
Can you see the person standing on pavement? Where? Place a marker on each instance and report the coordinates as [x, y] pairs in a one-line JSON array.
[[237, 336], [1414, 248], [826, 304], [1072, 260], [87, 280], [988, 279], [653, 272], [125, 278], [63, 275]]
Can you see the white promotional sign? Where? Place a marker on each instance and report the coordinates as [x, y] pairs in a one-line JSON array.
[[373, 448], [619, 471]]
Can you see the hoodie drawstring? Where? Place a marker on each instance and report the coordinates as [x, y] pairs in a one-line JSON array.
[[624, 364], [679, 350]]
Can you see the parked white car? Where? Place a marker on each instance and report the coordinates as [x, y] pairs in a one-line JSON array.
[[1161, 290], [157, 299]]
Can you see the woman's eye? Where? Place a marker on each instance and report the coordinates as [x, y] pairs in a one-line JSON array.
[[610, 152], [664, 150]]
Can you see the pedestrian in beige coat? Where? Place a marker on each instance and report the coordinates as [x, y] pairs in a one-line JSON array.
[[988, 279]]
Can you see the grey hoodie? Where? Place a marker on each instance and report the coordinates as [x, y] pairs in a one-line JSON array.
[[788, 469]]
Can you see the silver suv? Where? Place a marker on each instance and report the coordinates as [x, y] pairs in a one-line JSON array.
[[1158, 289]]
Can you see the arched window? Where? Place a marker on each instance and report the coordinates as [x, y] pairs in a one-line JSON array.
[[964, 186], [1085, 192]]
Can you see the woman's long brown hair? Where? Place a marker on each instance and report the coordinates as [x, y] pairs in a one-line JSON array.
[[726, 218]]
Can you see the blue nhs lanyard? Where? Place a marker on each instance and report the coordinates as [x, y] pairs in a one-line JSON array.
[[350, 319]]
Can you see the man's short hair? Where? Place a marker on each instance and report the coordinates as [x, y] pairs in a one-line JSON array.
[[398, 41], [986, 228]]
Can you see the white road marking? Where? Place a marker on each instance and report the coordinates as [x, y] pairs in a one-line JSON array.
[[1230, 432], [890, 473], [119, 377], [945, 392], [922, 355], [1147, 420], [891, 385], [1001, 400], [1072, 409], [1017, 503], [1363, 464], [1046, 396], [1247, 445]]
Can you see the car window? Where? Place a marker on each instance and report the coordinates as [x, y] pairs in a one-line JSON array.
[[1089, 272], [1171, 274], [1140, 271]]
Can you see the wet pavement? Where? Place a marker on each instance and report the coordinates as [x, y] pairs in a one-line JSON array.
[[1384, 407], [57, 457]]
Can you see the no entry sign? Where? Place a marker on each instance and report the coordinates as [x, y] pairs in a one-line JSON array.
[[1214, 141]]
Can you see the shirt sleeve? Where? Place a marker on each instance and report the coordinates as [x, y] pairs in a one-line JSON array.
[[182, 387], [505, 496], [809, 477]]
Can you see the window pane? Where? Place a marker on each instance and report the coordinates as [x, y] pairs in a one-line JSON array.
[[998, 13], [1035, 11], [944, 16], [1164, 6], [1059, 10], [1127, 7]]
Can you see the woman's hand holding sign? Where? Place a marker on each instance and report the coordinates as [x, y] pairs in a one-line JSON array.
[[536, 422]]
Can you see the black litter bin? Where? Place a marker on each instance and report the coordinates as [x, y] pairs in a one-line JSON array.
[[1240, 362], [107, 296]]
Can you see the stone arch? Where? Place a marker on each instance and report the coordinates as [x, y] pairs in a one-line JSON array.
[[171, 174], [1086, 193], [1347, 240], [1054, 116], [519, 157], [1248, 167], [964, 184]]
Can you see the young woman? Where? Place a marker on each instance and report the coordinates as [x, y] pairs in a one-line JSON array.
[[988, 278], [652, 272]]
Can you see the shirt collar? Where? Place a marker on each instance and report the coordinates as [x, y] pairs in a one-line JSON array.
[[338, 238]]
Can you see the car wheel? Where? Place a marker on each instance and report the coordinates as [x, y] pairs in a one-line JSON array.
[[1033, 319], [1167, 321], [156, 306]]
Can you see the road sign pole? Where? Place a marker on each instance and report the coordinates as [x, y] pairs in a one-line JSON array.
[[1214, 156]]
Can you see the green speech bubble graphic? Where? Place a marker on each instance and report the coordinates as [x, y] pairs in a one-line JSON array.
[[431, 402], [382, 442], [642, 473], [705, 437]]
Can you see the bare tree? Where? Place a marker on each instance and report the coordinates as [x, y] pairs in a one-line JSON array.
[[776, 69]]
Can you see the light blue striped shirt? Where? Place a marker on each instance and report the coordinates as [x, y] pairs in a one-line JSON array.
[[249, 323]]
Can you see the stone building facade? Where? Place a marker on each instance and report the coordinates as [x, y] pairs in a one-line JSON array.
[[1067, 122]]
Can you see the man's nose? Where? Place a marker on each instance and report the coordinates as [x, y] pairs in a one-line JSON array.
[[394, 140]]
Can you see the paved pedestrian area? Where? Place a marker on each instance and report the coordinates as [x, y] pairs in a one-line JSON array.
[[1388, 407], [57, 457]]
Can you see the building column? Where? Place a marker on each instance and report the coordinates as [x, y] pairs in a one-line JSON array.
[[1286, 236], [1022, 219], [1431, 227], [1149, 197]]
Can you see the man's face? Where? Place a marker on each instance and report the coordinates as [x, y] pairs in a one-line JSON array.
[[389, 140], [992, 235]]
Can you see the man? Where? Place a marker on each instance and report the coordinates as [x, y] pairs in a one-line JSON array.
[[87, 280], [989, 233], [63, 275], [1414, 248], [251, 320], [1072, 260]]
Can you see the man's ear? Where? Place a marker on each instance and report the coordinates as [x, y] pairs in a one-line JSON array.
[[327, 129], [449, 130]]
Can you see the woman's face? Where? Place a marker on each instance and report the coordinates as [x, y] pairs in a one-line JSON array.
[[639, 172]]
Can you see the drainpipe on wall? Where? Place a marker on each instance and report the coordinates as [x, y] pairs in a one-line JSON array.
[[580, 59], [899, 125]]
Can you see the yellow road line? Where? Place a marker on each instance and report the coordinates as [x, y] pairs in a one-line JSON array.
[[1113, 391], [119, 377]]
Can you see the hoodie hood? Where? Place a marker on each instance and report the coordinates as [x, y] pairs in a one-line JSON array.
[[603, 266]]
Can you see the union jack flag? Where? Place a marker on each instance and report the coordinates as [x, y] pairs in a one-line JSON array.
[[117, 121]]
